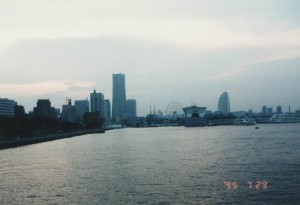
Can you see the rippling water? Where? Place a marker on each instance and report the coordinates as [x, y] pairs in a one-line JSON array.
[[170, 165]]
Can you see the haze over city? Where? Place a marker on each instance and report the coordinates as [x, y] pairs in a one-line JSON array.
[[185, 51]]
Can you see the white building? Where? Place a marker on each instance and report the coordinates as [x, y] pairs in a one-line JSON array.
[[68, 113], [7, 107]]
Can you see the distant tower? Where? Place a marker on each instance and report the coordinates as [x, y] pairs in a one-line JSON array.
[[224, 105], [97, 103], [119, 97]]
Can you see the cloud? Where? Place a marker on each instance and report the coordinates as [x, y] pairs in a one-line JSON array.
[[43, 88]]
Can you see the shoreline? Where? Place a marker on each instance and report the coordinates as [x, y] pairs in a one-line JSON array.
[[35, 140]]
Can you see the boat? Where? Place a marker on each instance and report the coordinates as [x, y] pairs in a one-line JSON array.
[[284, 118], [194, 116], [245, 121]]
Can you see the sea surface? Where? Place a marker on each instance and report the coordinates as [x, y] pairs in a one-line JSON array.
[[166, 165]]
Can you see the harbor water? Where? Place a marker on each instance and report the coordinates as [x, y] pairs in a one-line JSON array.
[[165, 165]]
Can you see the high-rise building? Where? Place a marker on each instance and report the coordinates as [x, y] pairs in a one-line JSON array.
[[107, 109], [131, 108], [119, 97], [223, 104], [7, 107], [97, 103], [279, 109], [68, 113], [81, 107], [43, 109]]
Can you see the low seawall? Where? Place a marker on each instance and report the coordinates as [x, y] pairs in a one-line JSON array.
[[34, 140]]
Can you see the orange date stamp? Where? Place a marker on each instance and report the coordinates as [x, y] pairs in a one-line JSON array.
[[259, 185]]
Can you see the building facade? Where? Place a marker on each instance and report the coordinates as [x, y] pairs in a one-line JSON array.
[[81, 107], [278, 109], [7, 107], [68, 113], [224, 104], [119, 97], [107, 109], [131, 108], [97, 103], [44, 109]]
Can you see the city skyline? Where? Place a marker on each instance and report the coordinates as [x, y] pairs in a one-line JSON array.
[[170, 51]]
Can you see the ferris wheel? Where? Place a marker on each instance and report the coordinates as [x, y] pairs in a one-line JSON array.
[[174, 110]]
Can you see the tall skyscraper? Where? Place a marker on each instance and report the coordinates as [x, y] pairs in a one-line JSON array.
[[119, 97], [97, 103], [131, 108], [224, 105]]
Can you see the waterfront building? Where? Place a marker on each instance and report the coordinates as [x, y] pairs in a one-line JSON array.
[[194, 116], [270, 111], [7, 107], [279, 109], [264, 110], [223, 104], [92, 120], [97, 103], [68, 113], [131, 108], [119, 97], [19, 111], [44, 109], [107, 109], [81, 107], [250, 112]]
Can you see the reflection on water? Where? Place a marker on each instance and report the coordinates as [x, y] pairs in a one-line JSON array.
[[172, 165]]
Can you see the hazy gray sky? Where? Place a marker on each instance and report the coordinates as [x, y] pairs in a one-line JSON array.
[[170, 50]]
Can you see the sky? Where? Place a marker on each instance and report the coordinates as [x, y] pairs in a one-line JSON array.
[[186, 51]]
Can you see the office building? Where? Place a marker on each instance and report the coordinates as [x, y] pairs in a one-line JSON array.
[[44, 109], [223, 104], [81, 107], [131, 108], [119, 97], [264, 110], [68, 113], [7, 107], [270, 111], [279, 109], [97, 103]]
